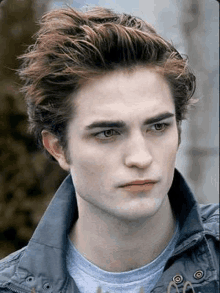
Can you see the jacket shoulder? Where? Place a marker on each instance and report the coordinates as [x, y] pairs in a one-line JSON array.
[[8, 265], [11, 258], [210, 218]]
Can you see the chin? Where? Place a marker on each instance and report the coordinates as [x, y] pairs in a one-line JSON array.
[[137, 213]]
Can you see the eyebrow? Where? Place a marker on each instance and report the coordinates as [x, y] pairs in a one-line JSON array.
[[122, 124], [103, 124], [159, 117]]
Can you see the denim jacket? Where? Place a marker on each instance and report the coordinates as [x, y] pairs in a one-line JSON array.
[[40, 267]]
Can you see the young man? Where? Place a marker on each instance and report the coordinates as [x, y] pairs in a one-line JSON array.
[[106, 96]]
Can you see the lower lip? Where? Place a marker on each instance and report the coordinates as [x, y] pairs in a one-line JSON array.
[[139, 188]]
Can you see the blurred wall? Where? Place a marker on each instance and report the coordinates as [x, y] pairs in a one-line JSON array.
[[200, 30], [193, 28]]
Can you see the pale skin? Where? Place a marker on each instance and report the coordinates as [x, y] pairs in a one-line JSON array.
[[120, 230]]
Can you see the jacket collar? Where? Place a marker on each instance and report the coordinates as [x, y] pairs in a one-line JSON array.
[[58, 219], [185, 207], [44, 257]]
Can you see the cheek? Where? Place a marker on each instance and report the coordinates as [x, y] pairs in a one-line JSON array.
[[168, 149], [172, 150], [90, 164]]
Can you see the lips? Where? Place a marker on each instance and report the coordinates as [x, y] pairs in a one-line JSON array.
[[139, 182], [139, 185]]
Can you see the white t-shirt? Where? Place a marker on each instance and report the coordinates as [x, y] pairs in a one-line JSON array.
[[89, 277]]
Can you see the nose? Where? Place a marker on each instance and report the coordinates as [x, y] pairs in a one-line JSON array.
[[138, 153]]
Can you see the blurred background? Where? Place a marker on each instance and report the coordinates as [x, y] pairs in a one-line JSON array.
[[28, 180]]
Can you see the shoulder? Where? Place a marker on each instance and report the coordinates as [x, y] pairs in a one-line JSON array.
[[210, 218], [8, 265], [12, 258], [209, 211]]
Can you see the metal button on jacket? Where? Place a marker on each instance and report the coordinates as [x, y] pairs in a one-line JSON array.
[[47, 286], [178, 279], [29, 279], [198, 274]]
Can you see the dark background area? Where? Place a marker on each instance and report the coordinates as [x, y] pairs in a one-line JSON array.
[[27, 179]]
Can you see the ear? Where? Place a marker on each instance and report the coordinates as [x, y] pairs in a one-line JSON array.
[[52, 145]]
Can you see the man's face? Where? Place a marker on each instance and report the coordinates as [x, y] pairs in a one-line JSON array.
[[123, 142]]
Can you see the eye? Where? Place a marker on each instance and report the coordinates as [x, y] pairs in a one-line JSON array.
[[107, 134], [160, 127]]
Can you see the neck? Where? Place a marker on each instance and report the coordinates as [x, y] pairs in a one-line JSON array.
[[118, 245]]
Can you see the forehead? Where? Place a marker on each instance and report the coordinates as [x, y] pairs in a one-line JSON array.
[[142, 93]]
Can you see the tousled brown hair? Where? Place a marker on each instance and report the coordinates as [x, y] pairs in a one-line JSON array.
[[72, 47]]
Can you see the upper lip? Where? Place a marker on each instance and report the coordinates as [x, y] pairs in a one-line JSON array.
[[139, 182]]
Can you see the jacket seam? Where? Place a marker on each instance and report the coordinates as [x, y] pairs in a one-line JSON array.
[[32, 240]]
